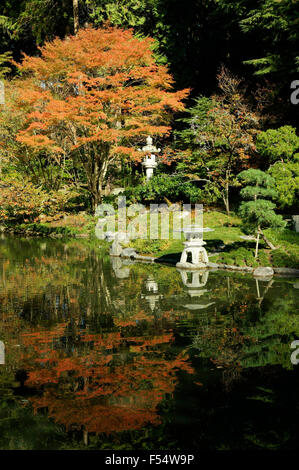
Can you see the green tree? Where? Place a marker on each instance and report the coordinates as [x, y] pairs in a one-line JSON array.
[[278, 144], [257, 211], [125, 13], [286, 175], [275, 25], [280, 149], [220, 133]]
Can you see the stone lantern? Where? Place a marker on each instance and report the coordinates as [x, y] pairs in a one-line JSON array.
[[194, 255], [149, 161], [152, 296]]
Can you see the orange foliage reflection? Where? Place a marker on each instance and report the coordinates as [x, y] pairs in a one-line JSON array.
[[102, 382]]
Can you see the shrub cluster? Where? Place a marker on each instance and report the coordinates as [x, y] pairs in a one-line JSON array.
[[163, 188]]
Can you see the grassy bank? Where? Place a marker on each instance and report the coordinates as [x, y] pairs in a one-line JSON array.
[[225, 246]]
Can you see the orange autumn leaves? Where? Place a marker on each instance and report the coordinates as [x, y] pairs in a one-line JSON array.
[[101, 87], [109, 382]]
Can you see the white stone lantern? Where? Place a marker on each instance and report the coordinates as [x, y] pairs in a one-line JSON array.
[[194, 255], [152, 297], [149, 161]]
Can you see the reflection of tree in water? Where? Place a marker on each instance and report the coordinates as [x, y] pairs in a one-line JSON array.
[[110, 382], [100, 359], [254, 332], [223, 346], [50, 288]]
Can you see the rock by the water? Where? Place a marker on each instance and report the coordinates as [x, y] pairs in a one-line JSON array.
[[263, 272], [147, 259]]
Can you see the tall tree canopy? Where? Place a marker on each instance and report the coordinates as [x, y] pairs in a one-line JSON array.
[[91, 96]]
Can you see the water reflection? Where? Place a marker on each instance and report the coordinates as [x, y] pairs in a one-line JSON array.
[[152, 296], [194, 281], [121, 267], [104, 347]]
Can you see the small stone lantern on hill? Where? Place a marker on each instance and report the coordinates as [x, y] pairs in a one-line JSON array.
[[149, 161]]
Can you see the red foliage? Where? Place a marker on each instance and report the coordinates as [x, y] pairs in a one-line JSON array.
[[92, 95], [114, 385]]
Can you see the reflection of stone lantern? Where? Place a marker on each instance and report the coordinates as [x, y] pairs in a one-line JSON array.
[[149, 161], [194, 281], [194, 255], [120, 270], [2, 353], [152, 297], [151, 285]]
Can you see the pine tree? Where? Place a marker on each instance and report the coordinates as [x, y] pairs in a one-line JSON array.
[[257, 210]]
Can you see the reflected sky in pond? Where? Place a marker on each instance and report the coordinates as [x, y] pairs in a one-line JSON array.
[[103, 353]]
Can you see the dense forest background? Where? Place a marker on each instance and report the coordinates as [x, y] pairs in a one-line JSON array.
[[237, 59], [258, 40]]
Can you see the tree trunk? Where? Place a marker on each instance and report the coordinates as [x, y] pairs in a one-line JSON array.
[[96, 163], [226, 195], [270, 245], [257, 242], [95, 201], [102, 178], [85, 437], [96, 182], [76, 15], [226, 202]]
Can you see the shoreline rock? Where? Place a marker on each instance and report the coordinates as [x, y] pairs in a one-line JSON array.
[[263, 272]]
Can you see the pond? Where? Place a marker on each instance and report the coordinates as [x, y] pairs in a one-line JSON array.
[[106, 354]]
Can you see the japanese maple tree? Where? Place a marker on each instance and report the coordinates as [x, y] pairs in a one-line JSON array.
[[221, 133], [92, 98]]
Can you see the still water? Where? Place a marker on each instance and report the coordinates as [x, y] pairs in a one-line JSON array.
[[102, 354]]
